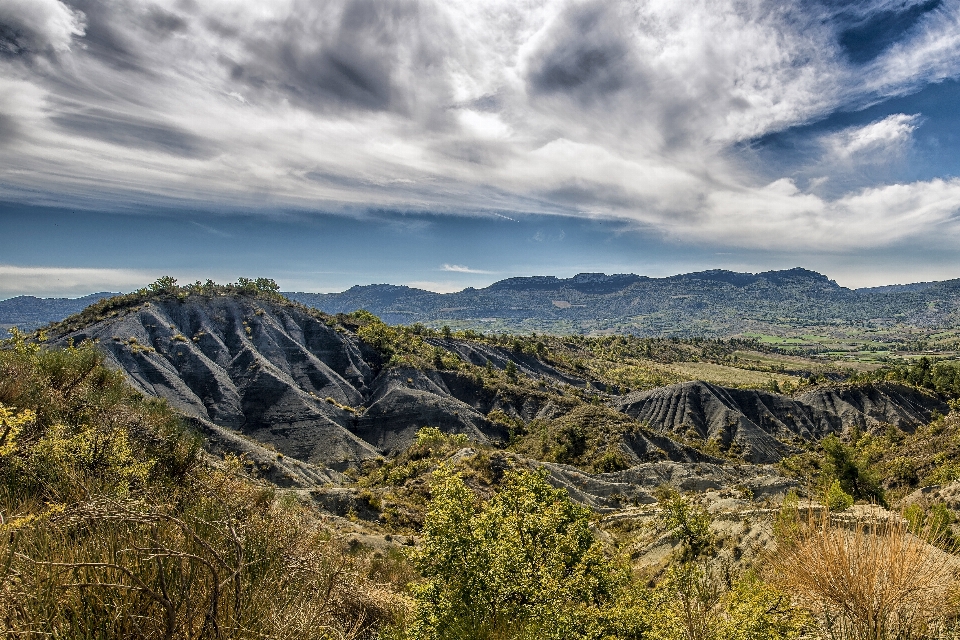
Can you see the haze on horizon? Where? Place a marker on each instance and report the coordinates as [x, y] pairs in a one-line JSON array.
[[453, 144]]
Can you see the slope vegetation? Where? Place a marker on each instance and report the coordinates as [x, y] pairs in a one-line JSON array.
[[306, 396]]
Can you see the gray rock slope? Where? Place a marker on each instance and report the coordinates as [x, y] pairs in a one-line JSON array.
[[606, 492], [304, 399], [762, 426], [278, 375]]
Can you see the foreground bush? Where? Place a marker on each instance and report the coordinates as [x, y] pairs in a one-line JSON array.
[[111, 526], [524, 564], [868, 580]]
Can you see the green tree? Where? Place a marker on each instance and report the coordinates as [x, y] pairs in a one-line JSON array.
[[844, 464], [166, 284], [523, 565], [687, 521], [836, 498]]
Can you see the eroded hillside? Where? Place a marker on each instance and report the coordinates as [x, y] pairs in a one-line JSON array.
[[307, 396]]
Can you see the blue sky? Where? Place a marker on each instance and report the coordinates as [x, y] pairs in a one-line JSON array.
[[452, 144]]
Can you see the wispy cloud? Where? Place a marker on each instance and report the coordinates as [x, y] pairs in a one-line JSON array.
[[589, 108], [66, 282], [457, 268], [885, 136]]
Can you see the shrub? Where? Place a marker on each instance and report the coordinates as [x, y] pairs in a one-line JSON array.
[[686, 520], [524, 564], [853, 473], [112, 527], [836, 499], [869, 580], [695, 602]]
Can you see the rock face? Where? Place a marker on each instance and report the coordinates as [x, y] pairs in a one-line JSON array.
[[608, 492], [278, 375], [763, 427]]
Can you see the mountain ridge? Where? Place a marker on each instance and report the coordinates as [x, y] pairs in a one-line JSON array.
[[711, 303]]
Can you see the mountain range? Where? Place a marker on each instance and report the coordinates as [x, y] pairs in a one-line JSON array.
[[707, 303]]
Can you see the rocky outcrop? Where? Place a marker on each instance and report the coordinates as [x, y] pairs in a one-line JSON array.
[[763, 427], [279, 375], [607, 492], [869, 406]]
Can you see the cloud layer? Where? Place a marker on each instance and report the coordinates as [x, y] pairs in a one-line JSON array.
[[54, 281], [622, 109]]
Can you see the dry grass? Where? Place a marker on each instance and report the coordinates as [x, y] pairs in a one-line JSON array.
[[113, 526], [869, 579], [729, 376], [235, 564]]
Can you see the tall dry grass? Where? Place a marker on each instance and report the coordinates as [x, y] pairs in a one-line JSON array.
[[239, 564], [869, 579]]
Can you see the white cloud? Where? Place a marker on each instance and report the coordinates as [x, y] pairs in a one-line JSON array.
[[40, 25], [456, 268], [882, 137], [578, 107], [780, 216], [67, 281]]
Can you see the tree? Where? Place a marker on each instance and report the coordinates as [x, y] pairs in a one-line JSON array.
[[524, 564], [687, 521], [845, 465], [166, 284]]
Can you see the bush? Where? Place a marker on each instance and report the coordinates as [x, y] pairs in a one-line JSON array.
[[524, 564], [870, 580], [75, 428], [687, 521], [112, 527], [836, 499], [694, 602], [844, 463]]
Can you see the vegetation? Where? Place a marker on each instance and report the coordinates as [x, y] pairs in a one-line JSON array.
[[868, 579], [940, 377], [589, 436], [263, 288], [526, 564], [884, 466], [816, 315], [112, 526]]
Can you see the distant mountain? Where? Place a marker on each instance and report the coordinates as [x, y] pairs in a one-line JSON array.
[[707, 303], [28, 312]]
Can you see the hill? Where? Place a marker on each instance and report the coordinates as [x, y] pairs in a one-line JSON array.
[[707, 303], [794, 309], [310, 395], [29, 312], [496, 449]]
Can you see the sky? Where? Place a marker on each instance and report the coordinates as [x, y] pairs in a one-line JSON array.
[[451, 143]]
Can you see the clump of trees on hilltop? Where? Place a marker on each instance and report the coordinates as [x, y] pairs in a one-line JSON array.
[[263, 288]]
